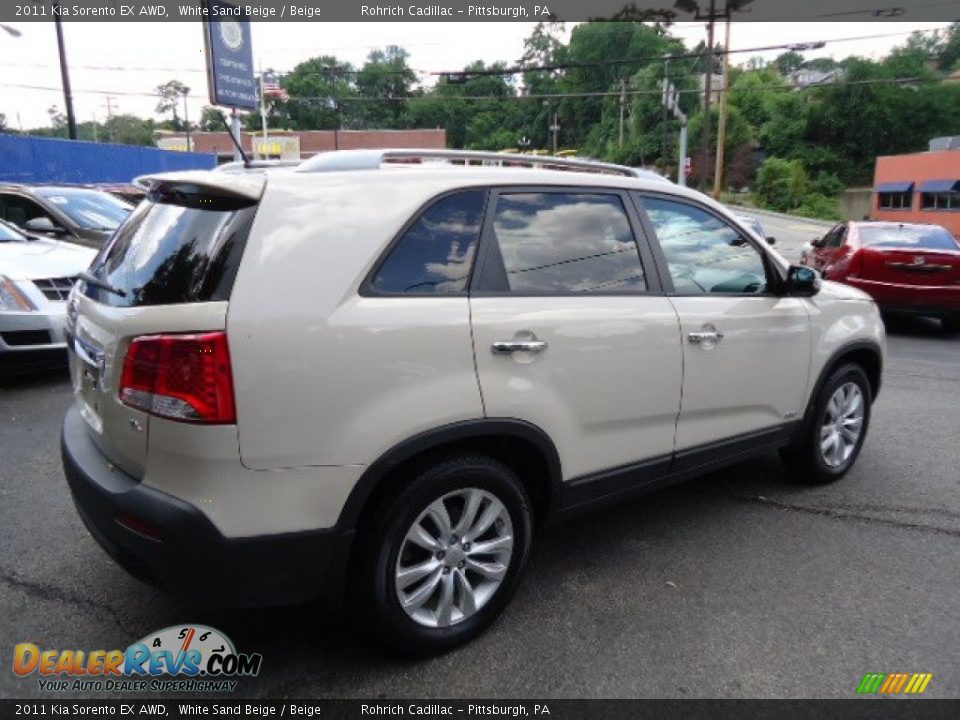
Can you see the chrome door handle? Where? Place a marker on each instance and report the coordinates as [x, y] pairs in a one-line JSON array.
[[699, 338], [505, 347]]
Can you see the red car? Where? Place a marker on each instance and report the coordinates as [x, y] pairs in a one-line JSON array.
[[906, 267]]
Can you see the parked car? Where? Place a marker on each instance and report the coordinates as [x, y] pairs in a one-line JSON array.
[[36, 275], [755, 225], [79, 215], [379, 382], [906, 267]]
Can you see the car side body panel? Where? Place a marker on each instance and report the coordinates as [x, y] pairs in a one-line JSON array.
[[323, 375]]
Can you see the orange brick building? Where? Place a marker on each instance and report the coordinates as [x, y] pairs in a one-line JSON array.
[[921, 187], [308, 142]]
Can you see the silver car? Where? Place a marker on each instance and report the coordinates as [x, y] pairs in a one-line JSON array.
[[36, 275]]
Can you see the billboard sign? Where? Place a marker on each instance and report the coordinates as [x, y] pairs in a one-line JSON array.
[[226, 34]]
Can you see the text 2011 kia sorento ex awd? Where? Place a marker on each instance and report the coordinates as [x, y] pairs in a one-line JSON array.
[[376, 378]]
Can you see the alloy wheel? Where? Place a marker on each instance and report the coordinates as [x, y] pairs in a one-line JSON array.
[[842, 425], [454, 557]]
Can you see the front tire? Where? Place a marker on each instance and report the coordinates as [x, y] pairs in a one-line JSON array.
[[951, 323], [441, 559], [833, 430]]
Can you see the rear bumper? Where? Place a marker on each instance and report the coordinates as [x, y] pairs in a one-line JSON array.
[[918, 299], [170, 543]]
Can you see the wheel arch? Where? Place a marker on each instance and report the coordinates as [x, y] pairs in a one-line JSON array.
[[523, 446], [867, 354]]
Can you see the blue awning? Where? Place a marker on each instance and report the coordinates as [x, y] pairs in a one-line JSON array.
[[932, 186], [902, 186]]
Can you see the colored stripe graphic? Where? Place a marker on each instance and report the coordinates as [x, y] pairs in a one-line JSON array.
[[871, 682], [893, 683]]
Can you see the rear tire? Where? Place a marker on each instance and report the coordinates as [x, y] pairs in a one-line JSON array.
[[951, 323], [424, 582], [833, 430]]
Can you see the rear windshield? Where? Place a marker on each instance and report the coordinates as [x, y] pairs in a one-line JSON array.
[[174, 248], [908, 236]]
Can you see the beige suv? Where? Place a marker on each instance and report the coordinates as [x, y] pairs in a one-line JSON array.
[[377, 374]]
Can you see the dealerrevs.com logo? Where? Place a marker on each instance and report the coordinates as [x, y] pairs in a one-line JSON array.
[[188, 658]]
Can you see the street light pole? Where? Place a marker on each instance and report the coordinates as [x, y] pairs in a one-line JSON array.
[[65, 75]]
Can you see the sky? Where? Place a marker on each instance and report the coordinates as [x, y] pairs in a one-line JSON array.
[[122, 63]]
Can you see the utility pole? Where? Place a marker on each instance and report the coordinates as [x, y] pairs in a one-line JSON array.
[[65, 74], [623, 103], [722, 124], [109, 125], [263, 115], [186, 117], [666, 79], [235, 131], [707, 92]]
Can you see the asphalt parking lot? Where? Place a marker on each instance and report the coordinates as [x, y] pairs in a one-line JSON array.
[[735, 585]]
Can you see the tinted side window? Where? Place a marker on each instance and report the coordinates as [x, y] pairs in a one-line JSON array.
[[18, 210], [704, 254], [435, 254], [834, 238], [567, 243]]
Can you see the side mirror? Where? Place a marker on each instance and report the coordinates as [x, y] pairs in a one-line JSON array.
[[42, 224], [771, 241], [816, 242], [802, 281]]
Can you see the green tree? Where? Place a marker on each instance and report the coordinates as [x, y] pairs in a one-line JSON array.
[[321, 90], [130, 130], [386, 79], [781, 184], [788, 62], [479, 124], [593, 121], [171, 94], [948, 54]]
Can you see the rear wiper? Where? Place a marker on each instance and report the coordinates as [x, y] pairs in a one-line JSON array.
[[102, 284]]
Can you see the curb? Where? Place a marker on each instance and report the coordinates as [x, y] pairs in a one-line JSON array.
[[783, 216]]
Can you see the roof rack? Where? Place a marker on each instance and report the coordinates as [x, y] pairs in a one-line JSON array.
[[237, 166], [341, 160]]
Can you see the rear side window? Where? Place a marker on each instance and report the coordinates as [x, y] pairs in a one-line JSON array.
[[178, 247], [435, 254], [561, 243]]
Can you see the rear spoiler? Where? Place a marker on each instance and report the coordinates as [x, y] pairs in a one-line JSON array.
[[248, 187]]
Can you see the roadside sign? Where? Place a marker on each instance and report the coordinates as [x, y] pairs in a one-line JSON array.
[[229, 56]]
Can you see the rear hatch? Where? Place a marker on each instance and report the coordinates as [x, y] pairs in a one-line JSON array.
[[922, 255], [169, 269]]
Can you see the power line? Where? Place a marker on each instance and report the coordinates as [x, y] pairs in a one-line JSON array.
[[539, 96], [810, 44], [513, 70]]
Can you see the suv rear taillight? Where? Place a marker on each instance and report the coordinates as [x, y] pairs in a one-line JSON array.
[[180, 377]]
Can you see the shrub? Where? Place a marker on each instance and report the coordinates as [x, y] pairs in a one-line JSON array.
[[819, 206], [781, 184]]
